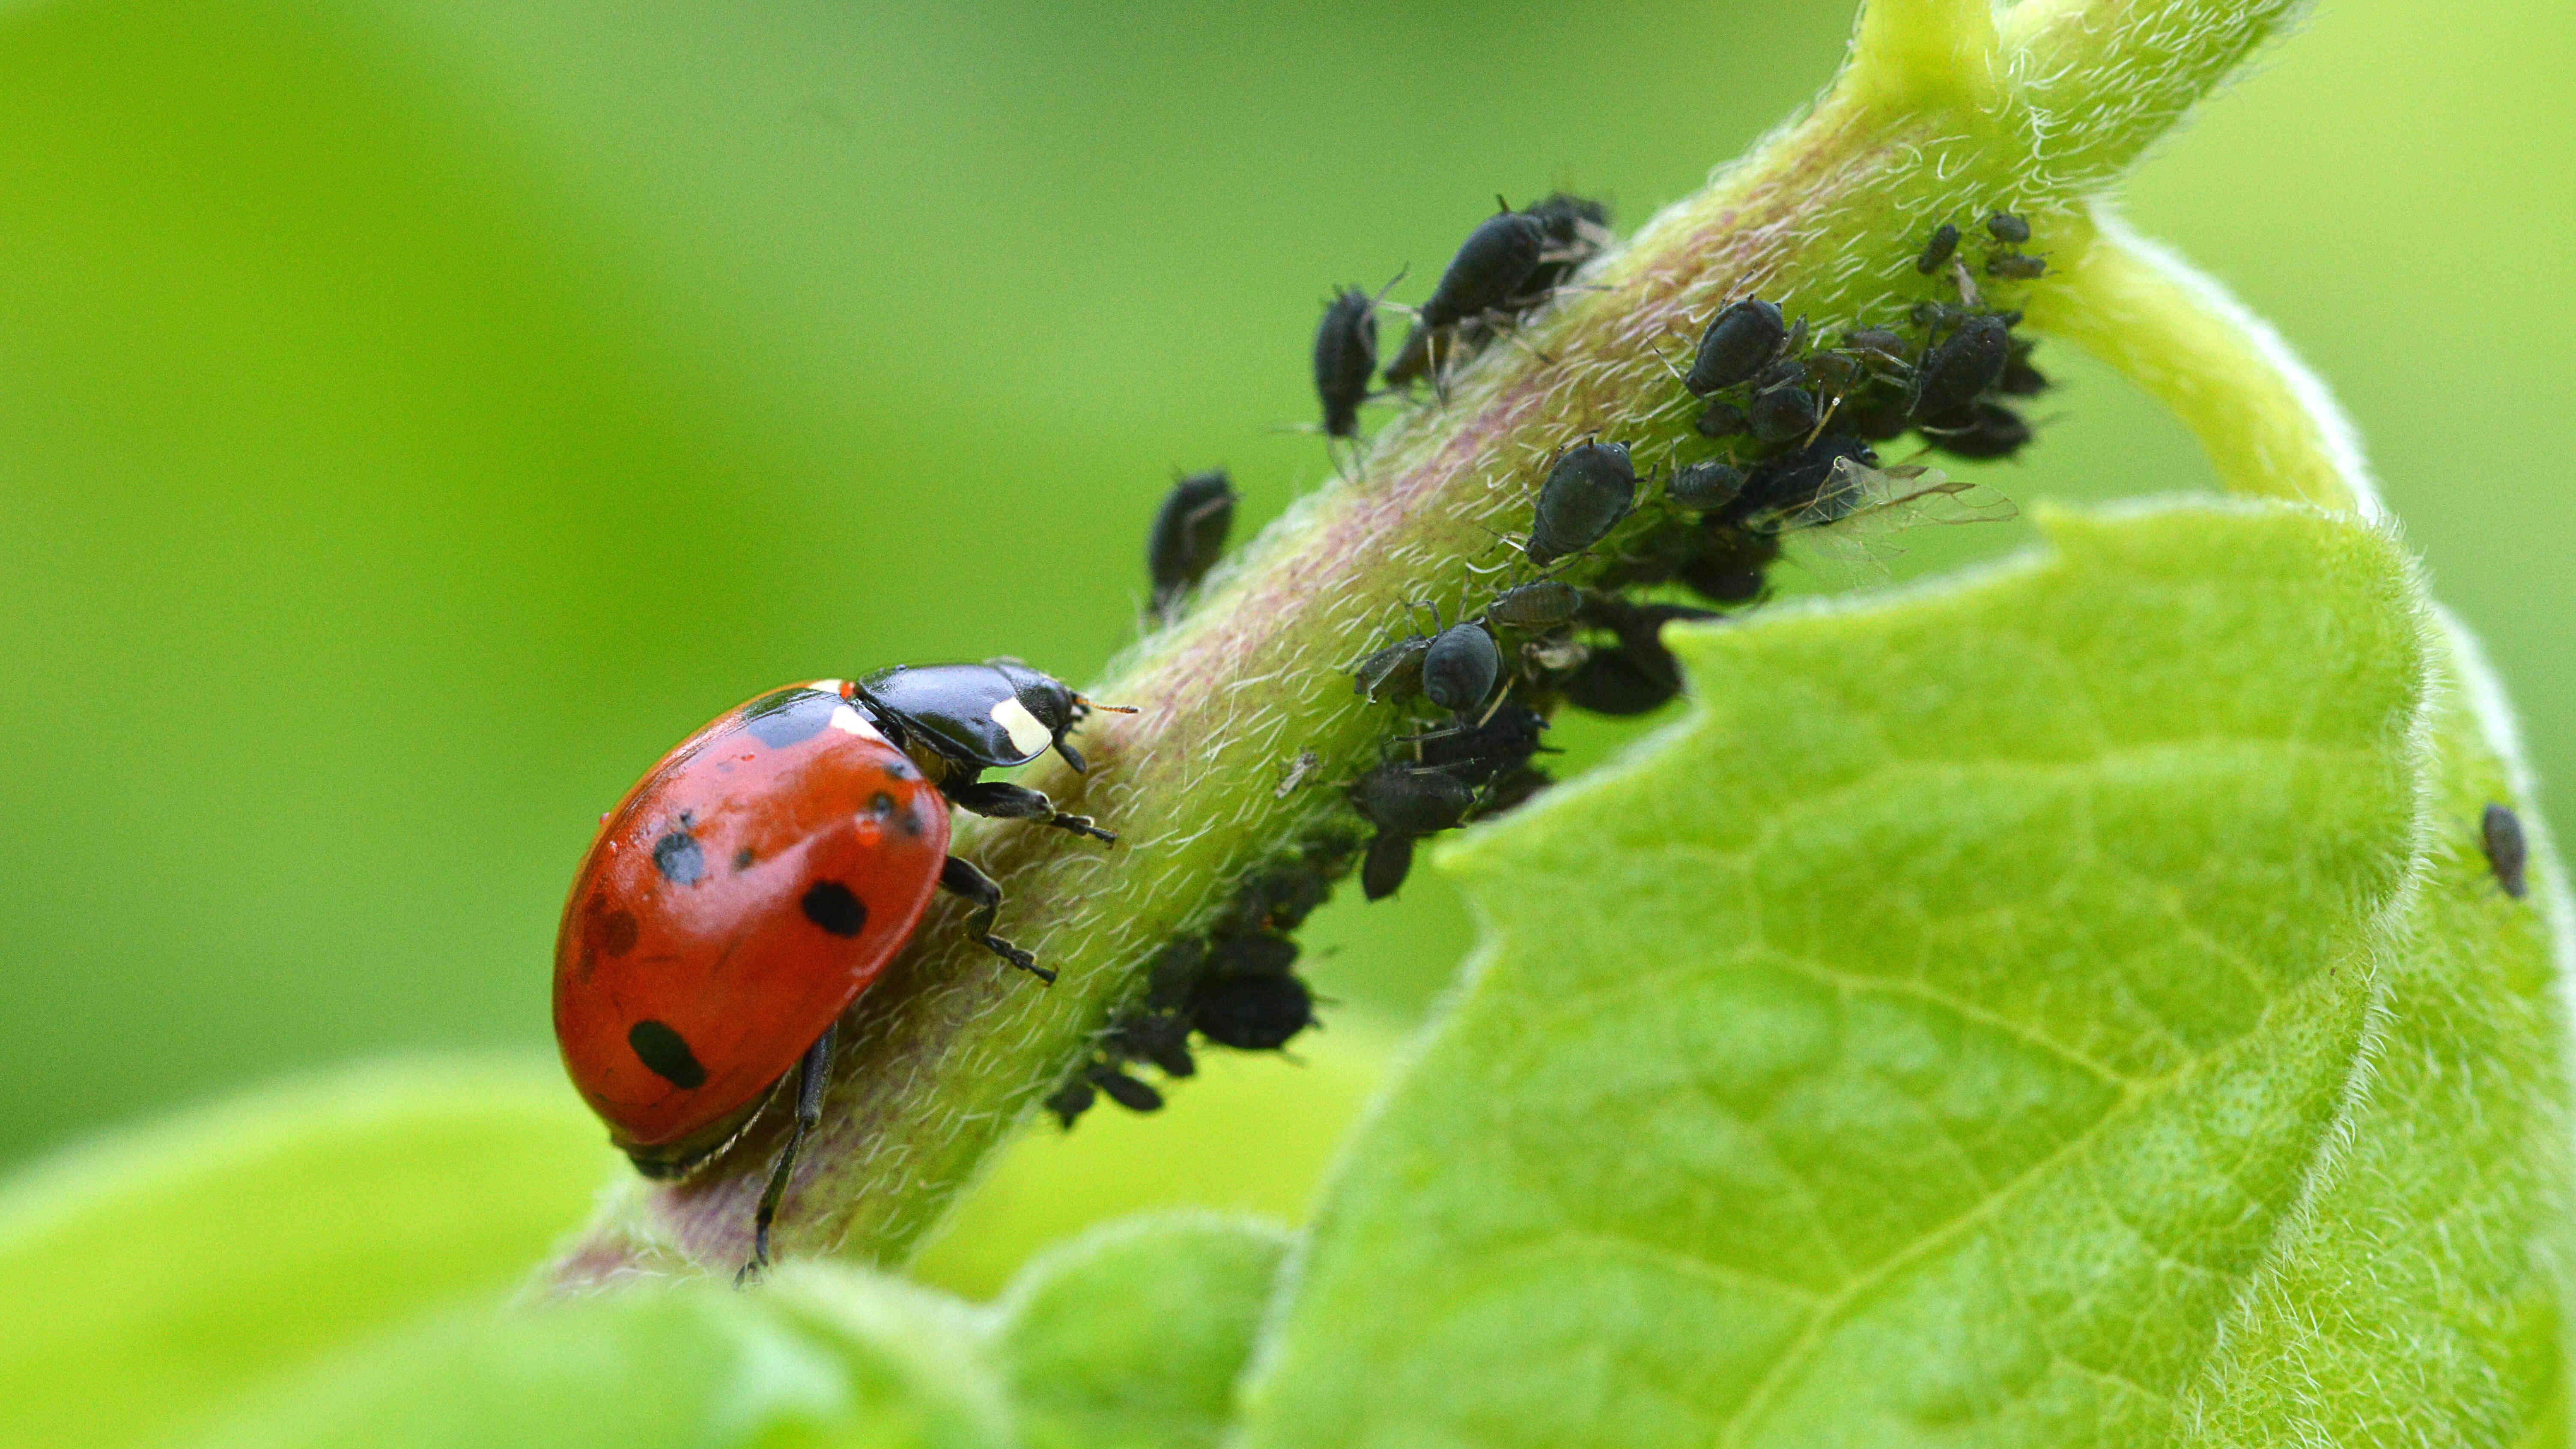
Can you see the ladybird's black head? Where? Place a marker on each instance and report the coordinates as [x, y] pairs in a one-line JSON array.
[[957, 719]]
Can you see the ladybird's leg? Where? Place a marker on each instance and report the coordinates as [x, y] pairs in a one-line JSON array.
[[1019, 802], [812, 1075], [960, 877]]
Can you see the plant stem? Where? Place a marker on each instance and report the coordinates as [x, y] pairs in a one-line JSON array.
[[946, 1056], [1912, 54], [2266, 422]]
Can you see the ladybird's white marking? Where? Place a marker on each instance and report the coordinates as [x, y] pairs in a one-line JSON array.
[[1027, 735], [850, 722], [827, 686]]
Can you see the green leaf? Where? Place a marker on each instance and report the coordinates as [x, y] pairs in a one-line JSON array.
[[2063, 1007], [159, 1273], [1134, 1335], [820, 1357]]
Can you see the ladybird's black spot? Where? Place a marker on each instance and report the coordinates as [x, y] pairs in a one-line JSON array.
[[900, 770], [881, 805], [617, 932], [743, 858], [677, 856], [909, 821], [661, 1048], [782, 717], [829, 904]]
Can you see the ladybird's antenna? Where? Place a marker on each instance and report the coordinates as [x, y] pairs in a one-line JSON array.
[[1106, 708]]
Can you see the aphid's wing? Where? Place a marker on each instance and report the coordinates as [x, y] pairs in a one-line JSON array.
[[1852, 514], [1858, 500]]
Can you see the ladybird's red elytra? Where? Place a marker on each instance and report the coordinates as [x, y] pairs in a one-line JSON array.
[[725, 917], [761, 877]]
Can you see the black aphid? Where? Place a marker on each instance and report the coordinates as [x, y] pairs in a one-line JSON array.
[[1979, 430], [1640, 628], [1833, 373], [1731, 569], [1722, 419], [1879, 346], [1388, 862], [1253, 1013], [2501, 833], [1424, 348], [1705, 487], [1125, 1090], [1783, 413], [1189, 533], [1513, 790], [1481, 753], [1412, 799], [1071, 1100], [1167, 982], [1945, 240], [1405, 801], [1345, 355], [2020, 379], [1614, 682], [1281, 897], [2015, 266], [1542, 604], [1794, 480], [1162, 1038], [1460, 667], [1875, 412], [1589, 488], [1394, 672], [1740, 341], [1575, 227], [2007, 228], [1256, 954], [1965, 364], [1492, 267]]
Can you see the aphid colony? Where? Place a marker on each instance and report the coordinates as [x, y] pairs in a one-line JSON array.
[[1509, 266], [765, 873], [1793, 426]]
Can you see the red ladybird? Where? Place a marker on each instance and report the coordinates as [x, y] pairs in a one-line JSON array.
[[761, 876]]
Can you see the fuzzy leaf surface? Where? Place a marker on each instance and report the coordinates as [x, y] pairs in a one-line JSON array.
[[817, 1357], [2054, 1008], [1132, 1336]]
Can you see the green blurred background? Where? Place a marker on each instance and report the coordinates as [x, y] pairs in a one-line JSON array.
[[416, 416]]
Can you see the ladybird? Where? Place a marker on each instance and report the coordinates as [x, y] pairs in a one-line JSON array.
[[761, 876]]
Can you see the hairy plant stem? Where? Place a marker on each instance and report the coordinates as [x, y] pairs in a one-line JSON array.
[[2268, 425], [944, 1058]]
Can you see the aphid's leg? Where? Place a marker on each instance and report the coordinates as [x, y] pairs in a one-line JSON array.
[[1822, 418], [960, 877], [812, 1075], [998, 801], [1678, 375], [1508, 324]]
